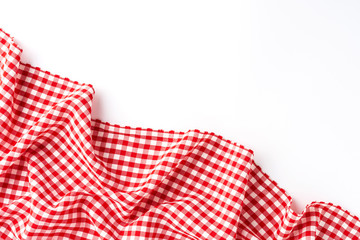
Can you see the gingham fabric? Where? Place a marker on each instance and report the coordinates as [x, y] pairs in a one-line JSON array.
[[64, 175]]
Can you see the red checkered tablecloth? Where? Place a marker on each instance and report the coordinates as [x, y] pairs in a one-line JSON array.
[[64, 175]]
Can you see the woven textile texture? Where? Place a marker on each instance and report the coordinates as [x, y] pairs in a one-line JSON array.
[[64, 175]]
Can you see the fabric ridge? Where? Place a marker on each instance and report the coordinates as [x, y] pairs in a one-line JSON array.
[[64, 175]]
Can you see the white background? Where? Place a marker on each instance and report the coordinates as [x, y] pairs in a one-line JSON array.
[[280, 77]]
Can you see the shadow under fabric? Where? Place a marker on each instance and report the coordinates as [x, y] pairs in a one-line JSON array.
[[64, 175]]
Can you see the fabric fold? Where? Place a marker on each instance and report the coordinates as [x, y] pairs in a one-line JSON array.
[[64, 175]]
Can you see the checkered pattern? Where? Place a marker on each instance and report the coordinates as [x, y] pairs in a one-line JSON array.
[[266, 214], [64, 175]]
